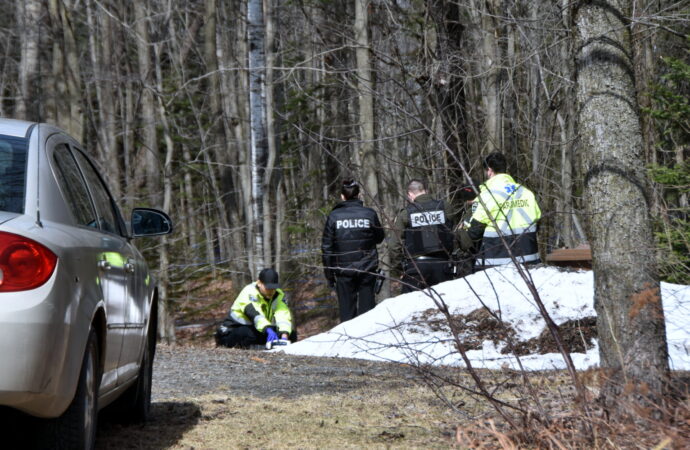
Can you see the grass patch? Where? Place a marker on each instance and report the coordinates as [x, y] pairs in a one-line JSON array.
[[383, 413]]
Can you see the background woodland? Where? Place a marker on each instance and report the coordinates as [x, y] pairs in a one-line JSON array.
[[240, 118]]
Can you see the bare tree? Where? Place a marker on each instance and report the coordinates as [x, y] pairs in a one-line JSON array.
[[365, 155], [148, 169], [29, 23], [67, 97], [101, 54], [627, 298], [256, 36]]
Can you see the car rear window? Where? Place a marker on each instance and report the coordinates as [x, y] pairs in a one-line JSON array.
[[12, 173]]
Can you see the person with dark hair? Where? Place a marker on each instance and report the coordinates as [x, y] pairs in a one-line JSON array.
[[425, 241], [259, 315], [349, 254], [504, 211], [495, 161]]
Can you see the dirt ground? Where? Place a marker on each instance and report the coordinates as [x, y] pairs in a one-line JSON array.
[[207, 398]]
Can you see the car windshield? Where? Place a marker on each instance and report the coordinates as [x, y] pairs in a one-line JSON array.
[[12, 173]]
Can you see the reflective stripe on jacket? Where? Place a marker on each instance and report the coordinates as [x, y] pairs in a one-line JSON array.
[[516, 212], [251, 308]]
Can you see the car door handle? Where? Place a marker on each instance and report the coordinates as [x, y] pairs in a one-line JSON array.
[[129, 267], [104, 265]]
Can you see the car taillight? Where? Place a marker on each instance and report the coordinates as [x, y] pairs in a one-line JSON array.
[[24, 264]]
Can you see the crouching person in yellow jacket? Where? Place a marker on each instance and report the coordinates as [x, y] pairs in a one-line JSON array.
[[258, 315]]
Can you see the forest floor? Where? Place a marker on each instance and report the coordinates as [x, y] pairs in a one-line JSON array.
[[208, 398]]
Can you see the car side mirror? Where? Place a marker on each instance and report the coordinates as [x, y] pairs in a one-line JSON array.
[[150, 222]]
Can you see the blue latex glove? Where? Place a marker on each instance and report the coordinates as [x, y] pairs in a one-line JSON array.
[[271, 335]]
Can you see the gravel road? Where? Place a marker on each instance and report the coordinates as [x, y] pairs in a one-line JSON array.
[[205, 397], [188, 372]]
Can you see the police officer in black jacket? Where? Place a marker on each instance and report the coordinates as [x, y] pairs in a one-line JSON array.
[[350, 258], [425, 242]]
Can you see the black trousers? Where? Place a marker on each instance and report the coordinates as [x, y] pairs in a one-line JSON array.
[[422, 273], [355, 294], [244, 336]]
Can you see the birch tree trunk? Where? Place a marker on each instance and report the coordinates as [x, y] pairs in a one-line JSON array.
[[270, 235], [257, 113], [627, 298], [29, 22]]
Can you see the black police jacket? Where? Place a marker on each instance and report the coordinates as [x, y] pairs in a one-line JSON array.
[[349, 239], [429, 230]]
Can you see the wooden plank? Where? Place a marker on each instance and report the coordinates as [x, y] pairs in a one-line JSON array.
[[570, 254]]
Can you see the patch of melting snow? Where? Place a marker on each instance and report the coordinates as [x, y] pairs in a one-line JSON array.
[[395, 331]]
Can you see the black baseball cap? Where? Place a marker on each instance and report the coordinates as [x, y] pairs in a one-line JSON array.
[[269, 278]]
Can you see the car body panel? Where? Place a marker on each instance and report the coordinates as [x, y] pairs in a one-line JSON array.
[[99, 273]]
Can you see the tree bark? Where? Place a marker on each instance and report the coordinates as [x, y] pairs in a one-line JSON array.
[[148, 170], [233, 48], [448, 96], [366, 150], [166, 322], [67, 97], [627, 298], [218, 141], [485, 15], [270, 179], [256, 35], [29, 22], [101, 57]]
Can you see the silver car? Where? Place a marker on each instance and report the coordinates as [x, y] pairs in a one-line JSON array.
[[78, 306]]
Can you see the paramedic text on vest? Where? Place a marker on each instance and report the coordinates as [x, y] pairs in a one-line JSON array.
[[426, 239], [504, 208], [349, 255]]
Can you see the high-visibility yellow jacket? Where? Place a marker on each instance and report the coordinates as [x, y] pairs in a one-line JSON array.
[[515, 213], [251, 308]]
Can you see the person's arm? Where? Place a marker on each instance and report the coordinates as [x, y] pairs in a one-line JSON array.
[[282, 317], [327, 248], [474, 232], [472, 228], [252, 309], [379, 234]]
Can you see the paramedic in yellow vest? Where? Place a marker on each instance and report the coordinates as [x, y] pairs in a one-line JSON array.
[[503, 208], [258, 315]]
